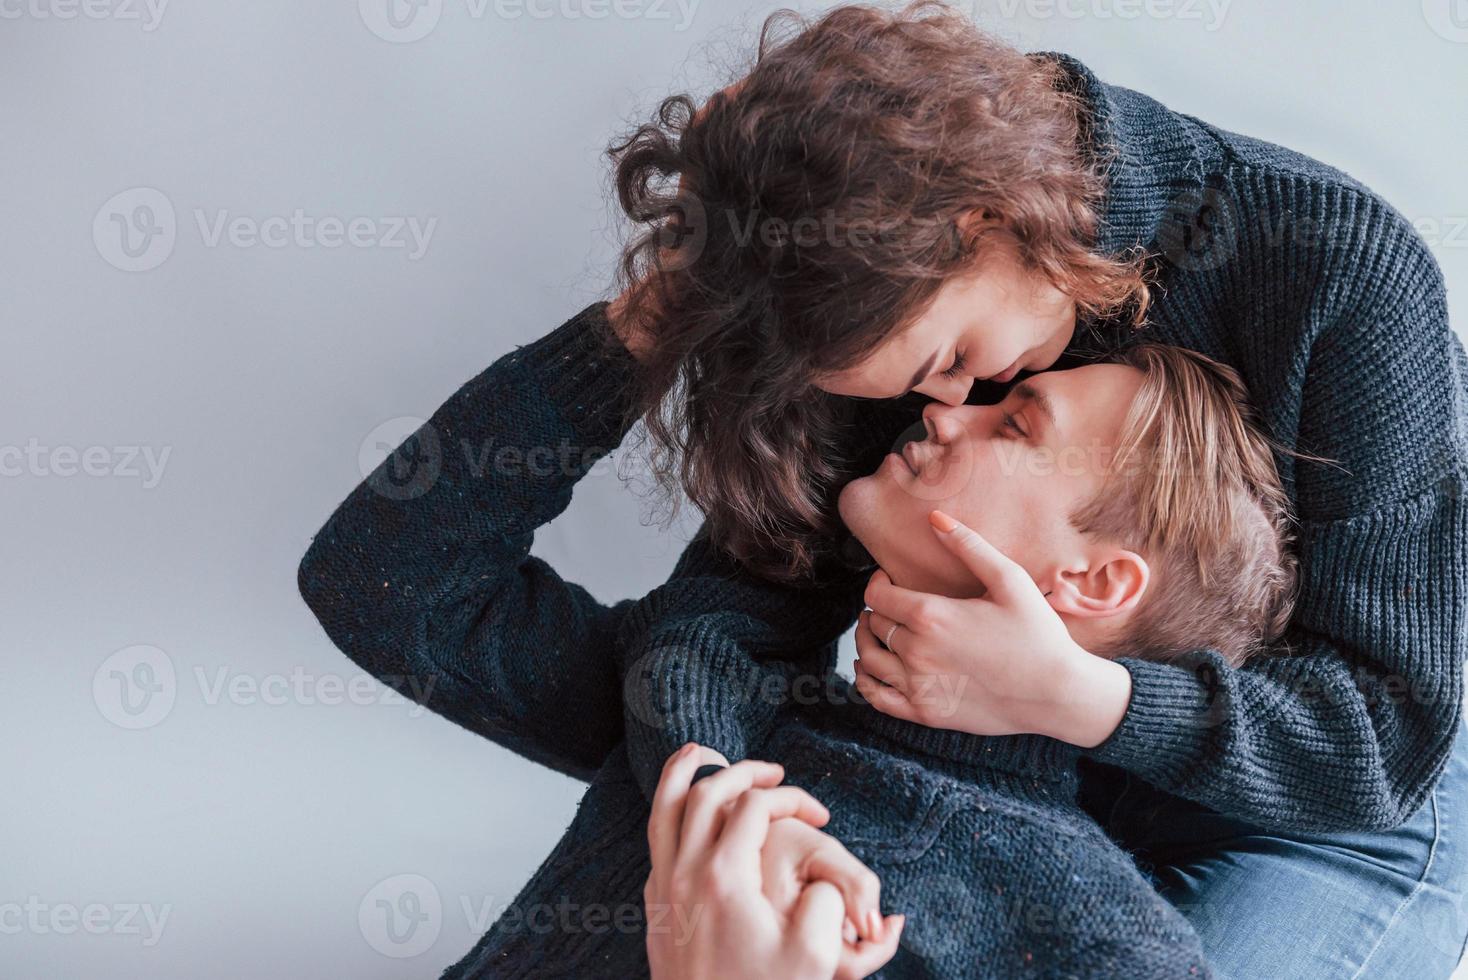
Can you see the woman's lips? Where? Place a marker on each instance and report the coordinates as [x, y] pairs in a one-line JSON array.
[[1007, 374]]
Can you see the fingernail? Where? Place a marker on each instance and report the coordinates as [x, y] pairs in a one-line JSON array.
[[874, 925], [942, 521]]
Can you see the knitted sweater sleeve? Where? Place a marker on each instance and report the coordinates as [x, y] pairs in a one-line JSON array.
[[423, 574], [1349, 721], [423, 577], [713, 655]]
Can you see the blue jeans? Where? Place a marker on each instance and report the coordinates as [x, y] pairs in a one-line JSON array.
[[1311, 906]]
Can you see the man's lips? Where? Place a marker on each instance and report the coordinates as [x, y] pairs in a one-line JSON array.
[[912, 457]]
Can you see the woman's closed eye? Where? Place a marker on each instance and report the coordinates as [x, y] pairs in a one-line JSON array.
[[956, 367]]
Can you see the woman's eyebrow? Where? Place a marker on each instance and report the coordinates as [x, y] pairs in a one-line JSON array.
[[923, 372], [1028, 393]]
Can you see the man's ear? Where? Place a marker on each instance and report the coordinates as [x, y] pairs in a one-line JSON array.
[[1111, 585]]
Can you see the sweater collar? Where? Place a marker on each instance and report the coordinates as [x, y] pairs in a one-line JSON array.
[[1153, 156], [1033, 757]]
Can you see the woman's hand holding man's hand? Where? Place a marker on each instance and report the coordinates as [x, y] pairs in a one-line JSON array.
[[764, 893]]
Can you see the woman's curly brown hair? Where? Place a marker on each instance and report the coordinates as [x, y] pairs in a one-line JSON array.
[[812, 211]]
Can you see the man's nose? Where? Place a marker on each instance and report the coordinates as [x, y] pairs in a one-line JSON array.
[[943, 422]]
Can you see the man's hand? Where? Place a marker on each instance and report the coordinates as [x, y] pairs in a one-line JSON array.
[[706, 843], [1001, 664]]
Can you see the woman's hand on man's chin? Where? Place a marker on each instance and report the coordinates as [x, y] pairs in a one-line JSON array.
[[747, 886], [1003, 664]]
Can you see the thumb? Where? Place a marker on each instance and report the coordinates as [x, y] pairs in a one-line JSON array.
[[992, 567]]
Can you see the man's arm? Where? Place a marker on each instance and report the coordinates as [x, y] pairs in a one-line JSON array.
[[712, 655]]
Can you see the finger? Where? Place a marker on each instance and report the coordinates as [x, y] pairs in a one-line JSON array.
[[666, 820], [704, 811], [887, 700], [883, 627], [860, 887], [816, 927], [996, 570], [892, 601], [880, 663], [749, 822], [864, 959]]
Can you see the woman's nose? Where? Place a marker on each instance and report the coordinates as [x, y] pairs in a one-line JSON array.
[[949, 391]]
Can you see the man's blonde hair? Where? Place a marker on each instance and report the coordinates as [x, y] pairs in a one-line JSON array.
[[1193, 488]]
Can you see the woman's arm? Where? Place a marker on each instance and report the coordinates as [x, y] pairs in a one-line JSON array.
[[1348, 722], [423, 574], [424, 578]]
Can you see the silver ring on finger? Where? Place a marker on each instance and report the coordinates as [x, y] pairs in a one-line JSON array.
[[887, 642]]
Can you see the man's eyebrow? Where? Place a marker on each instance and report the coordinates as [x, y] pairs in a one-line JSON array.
[[1034, 396], [922, 372]]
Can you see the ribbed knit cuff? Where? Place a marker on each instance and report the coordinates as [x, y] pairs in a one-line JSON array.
[[587, 374], [1167, 724]]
